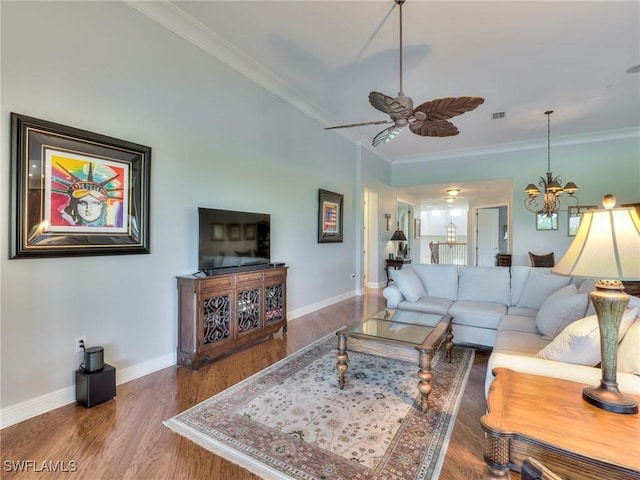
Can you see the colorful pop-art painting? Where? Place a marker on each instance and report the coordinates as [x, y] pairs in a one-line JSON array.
[[85, 194], [330, 217]]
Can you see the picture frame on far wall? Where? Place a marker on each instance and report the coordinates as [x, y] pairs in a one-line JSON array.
[[250, 231], [75, 192], [217, 232], [330, 216], [544, 222], [233, 232], [575, 216]]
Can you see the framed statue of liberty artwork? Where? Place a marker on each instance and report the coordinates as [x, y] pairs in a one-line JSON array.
[[76, 192]]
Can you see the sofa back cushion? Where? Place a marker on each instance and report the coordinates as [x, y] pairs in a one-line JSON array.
[[560, 309], [541, 283], [485, 284], [439, 280], [519, 275]]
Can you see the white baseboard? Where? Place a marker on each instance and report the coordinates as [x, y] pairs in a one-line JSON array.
[[291, 314], [45, 403]]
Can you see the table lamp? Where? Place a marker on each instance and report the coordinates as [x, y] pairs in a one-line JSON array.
[[607, 248], [399, 236]]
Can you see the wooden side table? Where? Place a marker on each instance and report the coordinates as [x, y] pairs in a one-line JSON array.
[[396, 263], [546, 418]]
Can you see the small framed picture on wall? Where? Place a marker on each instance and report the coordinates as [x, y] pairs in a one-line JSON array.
[[330, 216], [546, 222], [575, 216]]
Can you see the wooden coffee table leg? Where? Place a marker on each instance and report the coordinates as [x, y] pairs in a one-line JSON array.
[[342, 358], [449, 342], [425, 375], [496, 458]]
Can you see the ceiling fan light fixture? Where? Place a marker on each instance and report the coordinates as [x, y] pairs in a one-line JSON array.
[[426, 120]]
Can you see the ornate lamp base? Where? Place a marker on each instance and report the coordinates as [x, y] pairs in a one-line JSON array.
[[609, 398], [609, 301]]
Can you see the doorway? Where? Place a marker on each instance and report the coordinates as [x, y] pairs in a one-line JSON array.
[[370, 236], [405, 224], [492, 234]]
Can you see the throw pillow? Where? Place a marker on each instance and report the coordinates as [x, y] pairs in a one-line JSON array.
[[408, 283], [629, 348], [540, 284], [579, 343], [559, 310], [587, 286]]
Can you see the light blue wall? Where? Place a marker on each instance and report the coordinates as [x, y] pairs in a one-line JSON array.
[[218, 141], [598, 168]]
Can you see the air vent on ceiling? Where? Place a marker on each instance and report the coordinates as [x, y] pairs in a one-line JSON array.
[[497, 115]]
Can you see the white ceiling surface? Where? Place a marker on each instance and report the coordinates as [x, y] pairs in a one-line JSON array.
[[522, 57]]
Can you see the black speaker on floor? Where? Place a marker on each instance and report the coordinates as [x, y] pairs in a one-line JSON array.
[[96, 387]]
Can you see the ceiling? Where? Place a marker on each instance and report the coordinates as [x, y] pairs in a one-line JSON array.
[[578, 58]]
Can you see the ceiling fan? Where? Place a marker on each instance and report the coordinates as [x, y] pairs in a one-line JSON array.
[[428, 119]]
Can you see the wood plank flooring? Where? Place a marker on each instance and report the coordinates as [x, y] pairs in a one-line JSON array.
[[125, 439]]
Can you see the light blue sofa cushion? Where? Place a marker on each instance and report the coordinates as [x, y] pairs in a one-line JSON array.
[[560, 309], [522, 311], [439, 280], [518, 323], [485, 284], [477, 314], [519, 275], [540, 284], [429, 304]]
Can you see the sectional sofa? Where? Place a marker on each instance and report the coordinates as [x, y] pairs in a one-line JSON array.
[[534, 321]]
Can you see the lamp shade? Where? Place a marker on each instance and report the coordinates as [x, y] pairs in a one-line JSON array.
[[398, 235], [607, 246]]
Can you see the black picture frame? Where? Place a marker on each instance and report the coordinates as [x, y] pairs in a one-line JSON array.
[[544, 222], [575, 216], [75, 192], [250, 231], [330, 216], [234, 232], [217, 232]]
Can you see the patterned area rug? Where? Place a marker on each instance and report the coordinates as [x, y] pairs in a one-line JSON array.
[[291, 420]]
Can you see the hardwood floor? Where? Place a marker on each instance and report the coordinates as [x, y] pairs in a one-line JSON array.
[[125, 439]]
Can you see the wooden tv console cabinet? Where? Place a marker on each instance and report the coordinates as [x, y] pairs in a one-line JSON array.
[[220, 314]]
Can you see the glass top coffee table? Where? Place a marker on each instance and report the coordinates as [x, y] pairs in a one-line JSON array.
[[408, 336]]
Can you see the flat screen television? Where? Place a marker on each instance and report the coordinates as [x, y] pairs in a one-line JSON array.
[[228, 239]]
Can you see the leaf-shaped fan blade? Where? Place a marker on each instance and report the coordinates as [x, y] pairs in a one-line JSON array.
[[438, 128], [377, 122], [386, 135], [444, 108], [388, 105]]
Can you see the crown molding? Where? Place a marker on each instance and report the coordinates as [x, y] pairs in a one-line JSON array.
[[632, 132], [165, 13]]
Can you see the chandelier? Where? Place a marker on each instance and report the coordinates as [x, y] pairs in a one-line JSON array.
[[451, 233], [551, 186]]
